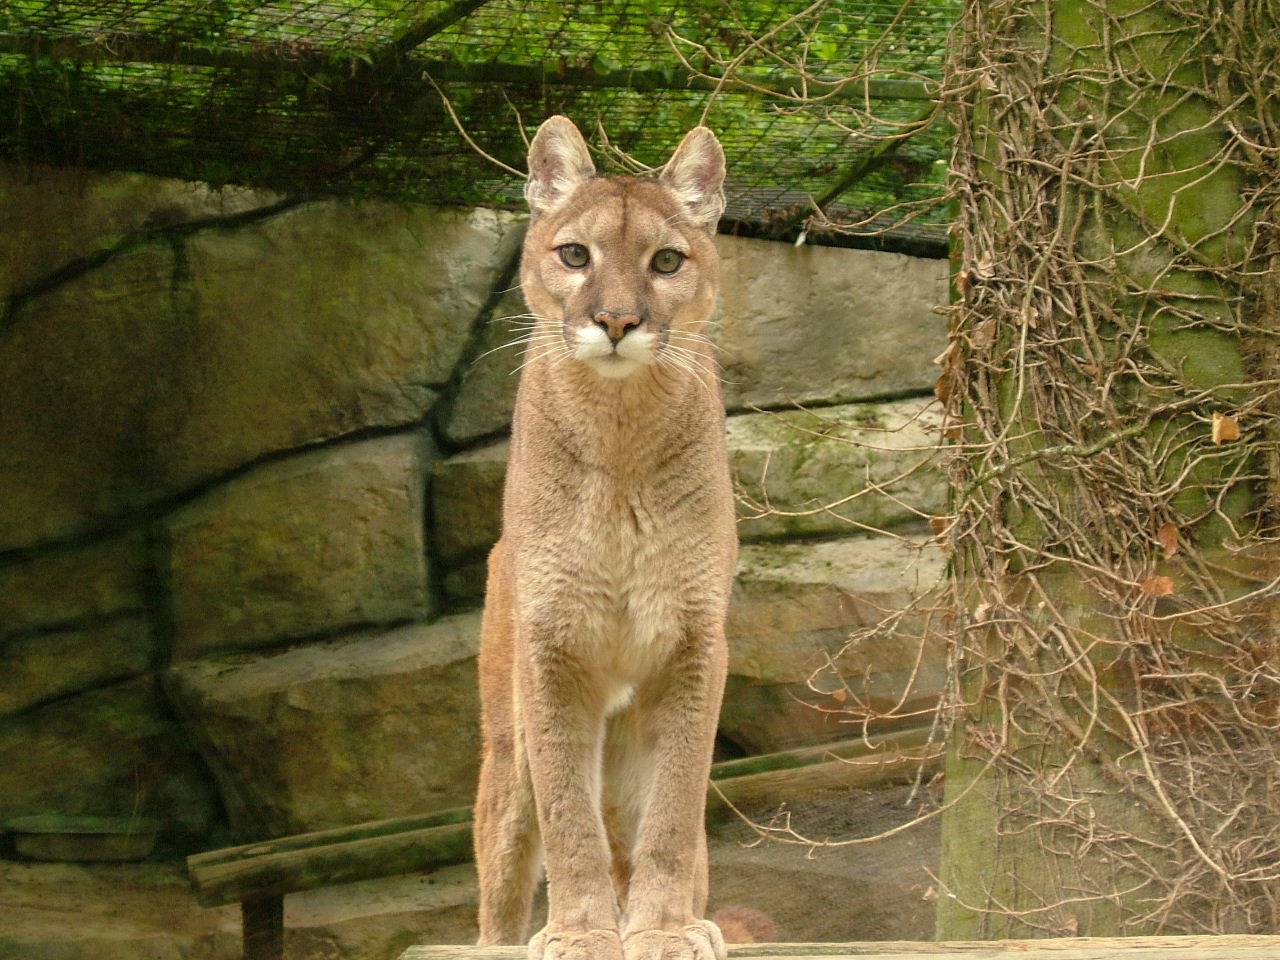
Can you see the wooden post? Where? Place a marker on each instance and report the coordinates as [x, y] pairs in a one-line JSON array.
[[263, 922]]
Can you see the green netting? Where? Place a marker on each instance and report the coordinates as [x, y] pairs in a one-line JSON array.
[[327, 97]]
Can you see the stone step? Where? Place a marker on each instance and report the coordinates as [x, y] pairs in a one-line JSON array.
[[824, 636], [367, 726], [112, 752], [380, 724]]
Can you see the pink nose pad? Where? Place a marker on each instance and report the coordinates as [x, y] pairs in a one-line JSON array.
[[616, 325]]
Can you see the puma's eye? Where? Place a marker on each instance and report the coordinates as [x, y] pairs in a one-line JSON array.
[[574, 255], [667, 261]]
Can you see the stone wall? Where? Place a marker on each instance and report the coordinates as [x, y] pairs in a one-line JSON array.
[[251, 457]]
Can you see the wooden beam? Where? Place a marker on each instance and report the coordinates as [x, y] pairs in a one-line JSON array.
[[200, 862], [1233, 947], [415, 844], [424, 30], [405, 69], [311, 867]]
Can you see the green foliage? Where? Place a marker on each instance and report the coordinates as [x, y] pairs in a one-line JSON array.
[[318, 98]]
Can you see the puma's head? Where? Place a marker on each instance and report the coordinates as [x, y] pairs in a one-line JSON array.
[[624, 270]]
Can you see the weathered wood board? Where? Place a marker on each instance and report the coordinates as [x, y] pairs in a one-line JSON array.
[[420, 843], [1230, 947], [1085, 948]]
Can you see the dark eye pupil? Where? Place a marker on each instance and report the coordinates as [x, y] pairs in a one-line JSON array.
[[574, 255], [667, 261]]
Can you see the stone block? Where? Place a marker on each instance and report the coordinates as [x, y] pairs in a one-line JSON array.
[[331, 318], [793, 610], [824, 324], [806, 473], [56, 663], [810, 325], [466, 502], [109, 752], [368, 726], [787, 467], [51, 216], [75, 584], [84, 371], [486, 393], [463, 582], [153, 374], [316, 543]]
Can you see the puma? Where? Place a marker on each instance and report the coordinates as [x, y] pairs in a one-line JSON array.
[[603, 656]]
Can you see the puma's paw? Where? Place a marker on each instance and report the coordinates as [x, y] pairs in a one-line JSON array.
[[575, 945], [700, 940]]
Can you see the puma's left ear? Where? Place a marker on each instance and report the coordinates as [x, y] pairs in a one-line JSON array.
[[695, 174]]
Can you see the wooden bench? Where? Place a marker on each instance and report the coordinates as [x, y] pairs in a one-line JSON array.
[[259, 875], [1084, 948]]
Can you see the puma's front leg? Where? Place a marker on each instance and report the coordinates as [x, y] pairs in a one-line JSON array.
[[564, 726], [668, 881]]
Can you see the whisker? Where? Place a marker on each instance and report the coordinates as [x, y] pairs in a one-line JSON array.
[[676, 362], [693, 357], [541, 338], [544, 351], [532, 317]]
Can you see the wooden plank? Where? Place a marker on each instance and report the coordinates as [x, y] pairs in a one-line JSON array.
[[289, 871], [1081, 948], [900, 766], [416, 844], [320, 838], [853, 748]]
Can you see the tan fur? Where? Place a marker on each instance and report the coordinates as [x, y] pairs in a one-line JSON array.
[[603, 654]]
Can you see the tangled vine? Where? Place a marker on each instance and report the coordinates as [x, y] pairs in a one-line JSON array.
[[1111, 394], [1112, 440]]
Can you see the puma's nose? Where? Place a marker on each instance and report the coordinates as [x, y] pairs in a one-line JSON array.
[[616, 325]]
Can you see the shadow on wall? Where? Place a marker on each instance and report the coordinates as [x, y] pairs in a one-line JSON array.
[[250, 472]]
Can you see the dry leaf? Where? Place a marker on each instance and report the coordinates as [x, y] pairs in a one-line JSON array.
[[1157, 586], [983, 335], [964, 284], [1224, 428], [955, 434], [839, 695], [1167, 537], [938, 525], [942, 388]]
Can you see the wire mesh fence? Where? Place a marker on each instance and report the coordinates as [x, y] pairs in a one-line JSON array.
[[347, 98]]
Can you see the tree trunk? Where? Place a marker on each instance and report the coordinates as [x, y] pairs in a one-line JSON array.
[[1110, 385]]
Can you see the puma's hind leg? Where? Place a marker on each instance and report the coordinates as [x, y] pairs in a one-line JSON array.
[[507, 844]]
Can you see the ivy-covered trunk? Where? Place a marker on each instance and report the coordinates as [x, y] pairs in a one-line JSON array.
[[1111, 384]]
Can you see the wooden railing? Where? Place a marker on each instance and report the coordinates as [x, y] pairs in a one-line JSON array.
[[259, 875]]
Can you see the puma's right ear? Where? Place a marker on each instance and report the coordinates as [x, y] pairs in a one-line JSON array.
[[558, 163]]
